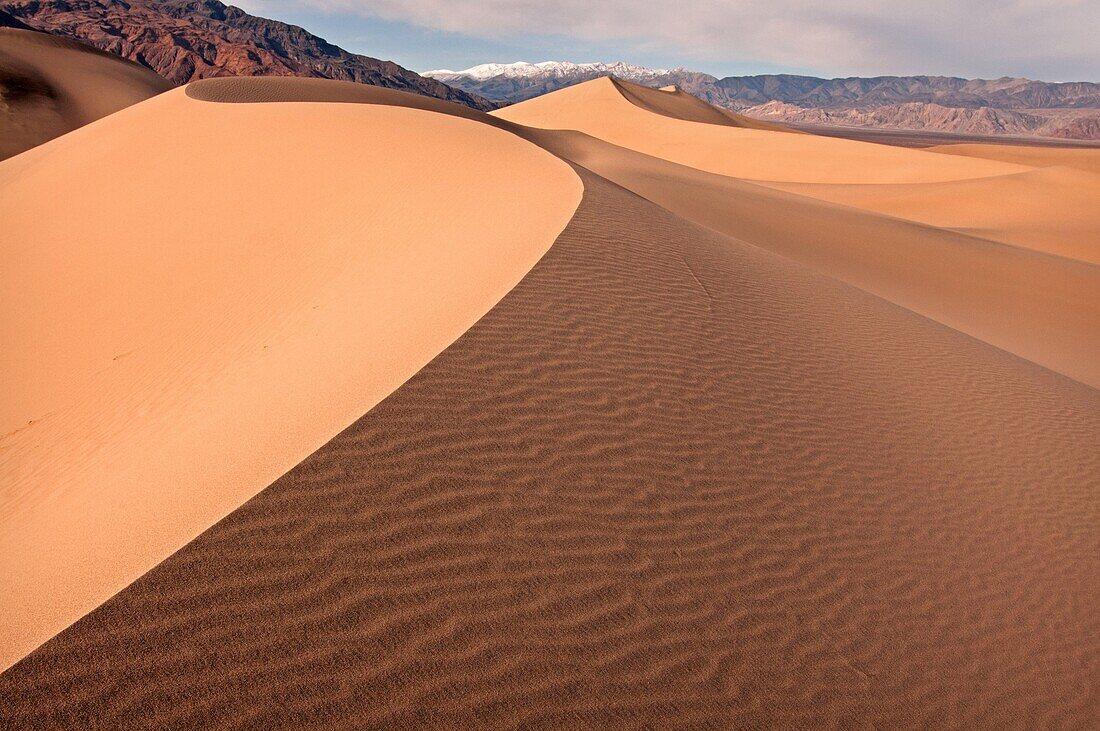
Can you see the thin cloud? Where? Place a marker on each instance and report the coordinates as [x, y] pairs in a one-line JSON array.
[[1053, 39]]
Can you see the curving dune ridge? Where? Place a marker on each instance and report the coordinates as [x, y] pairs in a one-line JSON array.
[[238, 288], [600, 109], [722, 455], [1017, 297]]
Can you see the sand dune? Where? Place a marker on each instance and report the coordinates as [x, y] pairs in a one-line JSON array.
[[677, 104], [669, 480], [183, 332], [1046, 209], [50, 86], [598, 108], [722, 455], [1085, 158], [1041, 307]]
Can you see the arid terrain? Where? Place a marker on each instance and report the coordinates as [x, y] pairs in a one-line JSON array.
[[1012, 107], [331, 405]]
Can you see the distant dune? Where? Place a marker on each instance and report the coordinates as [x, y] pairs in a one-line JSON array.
[[50, 86], [651, 417], [1087, 159], [1025, 301], [598, 108], [1006, 106]]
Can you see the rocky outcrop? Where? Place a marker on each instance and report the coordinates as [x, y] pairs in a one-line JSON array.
[[1061, 123], [945, 91], [185, 40]]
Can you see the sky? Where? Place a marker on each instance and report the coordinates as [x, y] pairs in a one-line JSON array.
[[1052, 40]]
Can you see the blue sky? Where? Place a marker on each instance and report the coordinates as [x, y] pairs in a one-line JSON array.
[[1047, 39]]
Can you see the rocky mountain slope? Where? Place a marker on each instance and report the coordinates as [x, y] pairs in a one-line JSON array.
[[974, 106], [185, 40]]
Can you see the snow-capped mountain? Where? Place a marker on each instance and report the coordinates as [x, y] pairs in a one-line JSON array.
[[521, 80], [550, 69], [973, 106]]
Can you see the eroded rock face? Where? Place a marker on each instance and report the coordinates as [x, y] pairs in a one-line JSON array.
[[186, 40]]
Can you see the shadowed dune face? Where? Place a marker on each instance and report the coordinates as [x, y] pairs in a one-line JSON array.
[[672, 102], [201, 321], [50, 86], [1041, 307], [669, 479]]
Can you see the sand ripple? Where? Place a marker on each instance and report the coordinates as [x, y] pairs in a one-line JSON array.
[[670, 480]]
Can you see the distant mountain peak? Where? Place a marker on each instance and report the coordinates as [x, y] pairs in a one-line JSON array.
[[519, 80], [978, 106], [551, 69]]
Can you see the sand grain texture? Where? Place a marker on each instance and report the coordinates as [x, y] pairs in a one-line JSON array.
[[159, 373], [714, 461], [669, 479]]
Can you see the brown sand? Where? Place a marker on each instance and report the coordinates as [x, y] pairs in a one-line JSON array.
[[50, 86], [670, 479], [1044, 308], [202, 332]]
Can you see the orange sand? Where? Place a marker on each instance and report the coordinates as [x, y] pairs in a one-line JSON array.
[[805, 452], [217, 301]]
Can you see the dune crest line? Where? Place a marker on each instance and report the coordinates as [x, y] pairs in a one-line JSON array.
[[622, 499], [172, 348]]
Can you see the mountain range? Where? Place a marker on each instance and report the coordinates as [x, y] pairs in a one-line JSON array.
[[949, 104], [187, 40]]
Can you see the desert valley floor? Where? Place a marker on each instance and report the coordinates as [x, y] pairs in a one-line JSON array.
[[327, 405]]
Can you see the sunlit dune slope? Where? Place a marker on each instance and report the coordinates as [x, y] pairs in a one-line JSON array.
[[197, 295], [600, 109], [1017, 273], [51, 85], [671, 480], [1085, 158], [1056, 209]]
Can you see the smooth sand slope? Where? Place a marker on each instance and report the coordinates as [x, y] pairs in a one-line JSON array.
[[227, 287], [1085, 158], [1018, 297], [599, 108], [670, 479], [673, 478], [1051, 209], [50, 86]]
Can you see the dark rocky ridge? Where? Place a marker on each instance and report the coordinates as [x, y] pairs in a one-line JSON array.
[[186, 40]]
